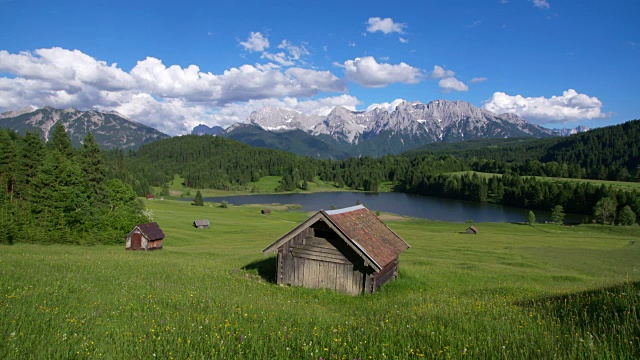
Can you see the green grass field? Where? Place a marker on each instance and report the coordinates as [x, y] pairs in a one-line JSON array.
[[623, 185], [511, 292], [266, 185]]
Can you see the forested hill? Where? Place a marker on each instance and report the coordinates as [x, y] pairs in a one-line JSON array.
[[611, 152], [213, 162]]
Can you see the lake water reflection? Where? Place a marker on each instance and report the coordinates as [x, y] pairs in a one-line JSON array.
[[399, 203]]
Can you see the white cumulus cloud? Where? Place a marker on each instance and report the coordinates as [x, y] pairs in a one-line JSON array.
[[169, 98], [478, 79], [385, 105], [570, 106], [452, 84], [367, 72], [255, 42], [541, 4], [386, 25], [439, 72]]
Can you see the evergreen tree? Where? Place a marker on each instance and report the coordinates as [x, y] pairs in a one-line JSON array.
[[557, 214], [60, 141], [164, 190], [627, 216], [198, 199], [94, 168], [531, 218]]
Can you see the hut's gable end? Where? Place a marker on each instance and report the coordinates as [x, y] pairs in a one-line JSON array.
[[317, 257], [145, 237]]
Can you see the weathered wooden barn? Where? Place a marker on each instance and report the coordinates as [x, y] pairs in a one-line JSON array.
[[201, 224], [472, 230], [145, 237], [349, 250]]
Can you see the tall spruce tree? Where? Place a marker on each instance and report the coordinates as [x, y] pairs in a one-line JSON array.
[[198, 199], [60, 141], [92, 162]]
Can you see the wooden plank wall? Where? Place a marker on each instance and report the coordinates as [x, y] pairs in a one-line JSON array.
[[315, 262], [389, 272]]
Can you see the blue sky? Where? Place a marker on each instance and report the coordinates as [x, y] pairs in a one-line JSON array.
[[173, 65]]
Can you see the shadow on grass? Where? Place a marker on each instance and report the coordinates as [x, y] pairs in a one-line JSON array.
[[609, 310], [266, 268]]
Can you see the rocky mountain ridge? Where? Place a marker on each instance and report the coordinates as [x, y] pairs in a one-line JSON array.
[[111, 130], [439, 120]]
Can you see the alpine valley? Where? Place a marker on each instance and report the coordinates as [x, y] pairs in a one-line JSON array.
[[111, 130], [344, 133]]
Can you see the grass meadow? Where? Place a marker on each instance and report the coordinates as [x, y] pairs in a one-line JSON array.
[[266, 185], [510, 292]]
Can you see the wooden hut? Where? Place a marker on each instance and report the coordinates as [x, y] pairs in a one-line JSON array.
[[472, 230], [349, 250], [201, 224], [145, 237], [265, 212], [150, 196]]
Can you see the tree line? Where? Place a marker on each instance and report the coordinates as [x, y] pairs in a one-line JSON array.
[[55, 193], [216, 162]]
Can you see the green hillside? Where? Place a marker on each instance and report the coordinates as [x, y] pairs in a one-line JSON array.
[[512, 291]]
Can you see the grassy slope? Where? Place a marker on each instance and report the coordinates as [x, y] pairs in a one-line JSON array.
[[489, 295], [266, 185]]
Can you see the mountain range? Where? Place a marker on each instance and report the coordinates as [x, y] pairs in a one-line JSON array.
[[379, 132], [340, 134], [110, 129]]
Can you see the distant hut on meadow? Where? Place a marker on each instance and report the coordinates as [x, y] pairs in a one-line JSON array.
[[201, 224], [349, 250], [145, 237], [265, 212], [472, 230], [150, 196]]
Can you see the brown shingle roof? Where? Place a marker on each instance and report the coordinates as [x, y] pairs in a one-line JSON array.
[[152, 231], [365, 229]]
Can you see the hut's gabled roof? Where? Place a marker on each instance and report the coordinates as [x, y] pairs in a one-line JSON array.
[[151, 230], [361, 230], [201, 222], [365, 229]]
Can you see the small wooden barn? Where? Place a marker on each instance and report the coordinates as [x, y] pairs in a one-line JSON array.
[[349, 250], [472, 230], [145, 237], [150, 196], [265, 212], [201, 224]]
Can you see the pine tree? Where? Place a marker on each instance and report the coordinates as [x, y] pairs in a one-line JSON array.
[[92, 163], [531, 218], [557, 215], [627, 217], [198, 199], [60, 141]]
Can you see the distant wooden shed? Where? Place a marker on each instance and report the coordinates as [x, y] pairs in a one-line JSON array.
[[201, 224], [349, 250], [150, 196], [265, 211], [472, 230], [145, 237]]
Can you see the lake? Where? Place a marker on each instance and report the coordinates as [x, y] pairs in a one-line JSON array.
[[399, 203]]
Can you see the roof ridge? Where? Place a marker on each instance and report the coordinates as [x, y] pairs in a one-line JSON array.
[[345, 210]]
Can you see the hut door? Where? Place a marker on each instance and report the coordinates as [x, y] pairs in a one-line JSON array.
[[136, 241]]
